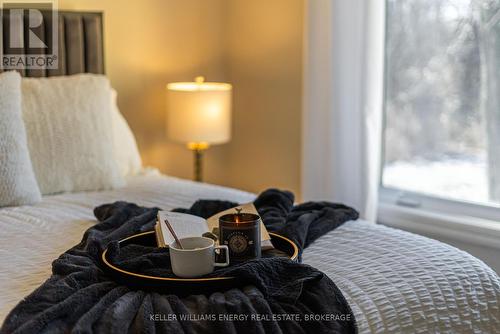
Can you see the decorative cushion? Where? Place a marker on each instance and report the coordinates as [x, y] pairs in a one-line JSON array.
[[126, 151], [18, 185], [68, 121]]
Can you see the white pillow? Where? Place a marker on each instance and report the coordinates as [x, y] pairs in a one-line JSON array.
[[70, 134], [18, 185], [126, 151]]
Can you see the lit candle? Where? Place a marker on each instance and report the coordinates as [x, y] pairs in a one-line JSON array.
[[241, 233]]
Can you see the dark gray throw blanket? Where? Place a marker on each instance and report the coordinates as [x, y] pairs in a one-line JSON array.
[[283, 297]]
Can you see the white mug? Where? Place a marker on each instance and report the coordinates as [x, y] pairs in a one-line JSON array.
[[196, 258]]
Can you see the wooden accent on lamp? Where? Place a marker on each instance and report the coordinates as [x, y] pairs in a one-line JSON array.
[[199, 115]]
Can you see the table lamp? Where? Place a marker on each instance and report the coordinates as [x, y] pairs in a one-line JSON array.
[[199, 115]]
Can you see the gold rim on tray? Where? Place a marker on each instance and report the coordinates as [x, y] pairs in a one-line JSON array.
[[292, 257]]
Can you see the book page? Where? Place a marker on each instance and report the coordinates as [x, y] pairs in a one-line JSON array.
[[183, 224], [186, 225]]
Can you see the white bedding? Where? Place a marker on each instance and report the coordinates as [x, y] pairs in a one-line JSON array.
[[394, 281], [399, 282]]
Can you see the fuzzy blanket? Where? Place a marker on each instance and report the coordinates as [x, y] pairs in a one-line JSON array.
[[282, 296]]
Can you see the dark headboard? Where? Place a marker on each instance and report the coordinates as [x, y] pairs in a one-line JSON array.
[[80, 42]]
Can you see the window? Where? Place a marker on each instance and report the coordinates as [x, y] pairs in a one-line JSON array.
[[442, 101]]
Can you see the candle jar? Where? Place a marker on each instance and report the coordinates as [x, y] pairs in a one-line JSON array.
[[240, 232]]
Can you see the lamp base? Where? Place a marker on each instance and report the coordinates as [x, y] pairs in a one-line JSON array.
[[198, 149]]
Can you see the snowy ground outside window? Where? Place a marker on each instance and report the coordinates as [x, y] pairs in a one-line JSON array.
[[458, 179]]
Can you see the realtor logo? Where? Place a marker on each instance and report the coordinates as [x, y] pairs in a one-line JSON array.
[[30, 34]]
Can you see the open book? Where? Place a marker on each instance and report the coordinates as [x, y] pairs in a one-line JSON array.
[[186, 225]]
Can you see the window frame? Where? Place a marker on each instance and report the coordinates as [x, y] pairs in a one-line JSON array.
[[395, 199], [421, 201]]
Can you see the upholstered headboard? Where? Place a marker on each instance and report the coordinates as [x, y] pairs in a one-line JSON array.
[[80, 42]]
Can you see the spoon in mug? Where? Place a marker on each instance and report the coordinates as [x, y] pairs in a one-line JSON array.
[[177, 241]]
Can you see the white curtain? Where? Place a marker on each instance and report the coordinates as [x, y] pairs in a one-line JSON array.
[[343, 87]]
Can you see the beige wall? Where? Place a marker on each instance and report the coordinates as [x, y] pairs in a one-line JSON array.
[[264, 58], [256, 45]]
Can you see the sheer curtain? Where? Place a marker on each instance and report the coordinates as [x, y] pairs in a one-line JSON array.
[[343, 97]]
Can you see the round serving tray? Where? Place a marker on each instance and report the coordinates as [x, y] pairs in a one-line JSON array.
[[186, 286]]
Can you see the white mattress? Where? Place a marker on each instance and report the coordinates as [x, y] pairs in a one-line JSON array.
[[395, 282]]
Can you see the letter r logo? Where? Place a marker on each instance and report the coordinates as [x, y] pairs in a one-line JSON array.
[[31, 35], [35, 20]]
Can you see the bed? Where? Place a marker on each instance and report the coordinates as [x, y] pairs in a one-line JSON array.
[[394, 281]]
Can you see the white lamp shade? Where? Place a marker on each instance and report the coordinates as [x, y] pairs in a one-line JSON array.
[[199, 112]]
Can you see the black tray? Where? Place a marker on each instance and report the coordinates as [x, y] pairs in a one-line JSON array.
[[186, 286]]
